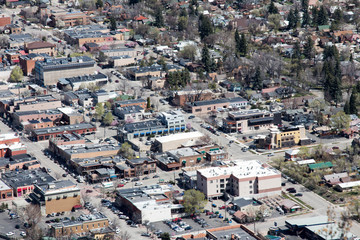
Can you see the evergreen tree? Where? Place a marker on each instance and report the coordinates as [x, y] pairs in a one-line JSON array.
[[296, 51], [183, 13], [338, 16], [322, 18], [159, 18], [305, 19], [99, 4], [314, 13], [205, 59], [243, 45], [347, 107], [351, 57], [308, 48], [291, 19], [352, 104], [205, 26], [258, 85], [113, 25], [296, 18], [237, 40], [148, 103], [132, 2], [304, 5], [182, 23], [272, 8]]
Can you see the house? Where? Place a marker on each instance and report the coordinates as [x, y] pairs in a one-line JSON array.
[[291, 154], [336, 178], [320, 165], [289, 206], [240, 217]]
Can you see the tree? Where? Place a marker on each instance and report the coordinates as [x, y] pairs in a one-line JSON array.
[[258, 85], [272, 8], [322, 18], [165, 236], [16, 75], [159, 19], [182, 23], [99, 111], [305, 19], [113, 25], [205, 58], [31, 214], [205, 26], [309, 48], [340, 121], [347, 107], [126, 151], [242, 47], [194, 200], [188, 52], [102, 57], [352, 103], [99, 4], [4, 41], [274, 21], [108, 119], [237, 40], [291, 19], [148, 104]]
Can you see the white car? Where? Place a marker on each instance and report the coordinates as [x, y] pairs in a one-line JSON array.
[[23, 234], [117, 230], [138, 184], [10, 234]]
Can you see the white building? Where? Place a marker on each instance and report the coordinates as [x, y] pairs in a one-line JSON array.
[[245, 179], [174, 120]]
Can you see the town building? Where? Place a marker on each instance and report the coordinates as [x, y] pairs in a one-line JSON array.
[[245, 179], [130, 114], [49, 71], [4, 20], [74, 83], [132, 102], [174, 120], [56, 196], [23, 181], [148, 203], [137, 73], [6, 192], [101, 96], [91, 223], [141, 129], [10, 145], [120, 52], [70, 116], [47, 133], [180, 98], [80, 151], [188, 157], [27, 62], [208, 106], [40, 48], [121, 61], [69, 17], [20, 161], [250, 120], [174, 141]]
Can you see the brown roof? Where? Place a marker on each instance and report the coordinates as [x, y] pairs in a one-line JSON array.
[[37, 45]]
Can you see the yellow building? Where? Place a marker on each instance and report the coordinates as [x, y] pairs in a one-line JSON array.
[[287, 137]]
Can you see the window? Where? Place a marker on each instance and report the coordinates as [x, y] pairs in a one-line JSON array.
[[211, 181], [250, 181], [250, 192]]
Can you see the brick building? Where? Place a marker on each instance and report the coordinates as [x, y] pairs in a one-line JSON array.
[[4, 20], [20, 161], [69, 17], [10, 145], [133, 102], [56, 197], [69, 152], [6, 192], [40, 47], [47, 133], [27, 62]]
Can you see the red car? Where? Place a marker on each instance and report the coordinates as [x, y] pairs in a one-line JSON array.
[[121, 185], [222, 207], [209, 213]]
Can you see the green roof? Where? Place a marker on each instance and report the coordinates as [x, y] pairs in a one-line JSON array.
[[323, 27], [320, 165]]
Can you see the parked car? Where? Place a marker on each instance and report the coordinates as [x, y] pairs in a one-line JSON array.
[[291, 190], [10, 234], [191, 116], [298, 195]]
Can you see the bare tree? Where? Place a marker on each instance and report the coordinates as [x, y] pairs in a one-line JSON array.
[[125, 236], [31, 214]]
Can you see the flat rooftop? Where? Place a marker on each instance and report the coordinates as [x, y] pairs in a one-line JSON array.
[[242, 169], [63, 128], [226, 234], [76, 149], [179, 136]]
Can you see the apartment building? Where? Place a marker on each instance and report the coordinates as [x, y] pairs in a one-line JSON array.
[[40, 48], [245, 179], [250, 120], [56, 197], [53, 132], [174, 120], [49, 71], [85, 224], [69, 17]]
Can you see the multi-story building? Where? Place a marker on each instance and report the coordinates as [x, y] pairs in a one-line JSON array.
[[56, 197], [6, 192], [179, 98], [130, 114], [85, 224], [27, 62], [174, 141], [141, 166], [22, 181], [250, 120], [40, 48], [151, 71], [49, 71], [148, 203], [75, 82], [188, 157], [53, 132], [245, 179], [133, 102], [20, 161], [29, 120], [10, 145], [4, 20], [120, 52], [174, 120], [121, 61], [81, 151], [69, 17]]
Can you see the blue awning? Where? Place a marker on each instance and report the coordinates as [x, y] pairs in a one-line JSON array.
[[171, 129], [141, 134], [177, 129], [182, 127], [136, 134], [113, 176], [147, 132], [154, 132], [165, 130], [160, 131]]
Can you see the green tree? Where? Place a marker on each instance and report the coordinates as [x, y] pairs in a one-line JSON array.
[[309, 48], [274, 21], [182, 23], [237, 40], [272, 8], [205, 58], [347, 107], [205, 26], [188, 52], [148, 103], [113, 25], [99, 4], [291, 19], [258, 84], [305, 19], [352, 103], [108, 119], [340, 121], [99, 111], [242, 48], [126, 151], [165, 236], [159, 18], [132, 2], [108, 105], [194, 200], [322, 18], [314, 14], [296, 51], [16, 75]]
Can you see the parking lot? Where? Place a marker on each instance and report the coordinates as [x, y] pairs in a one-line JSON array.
[[8, 225]]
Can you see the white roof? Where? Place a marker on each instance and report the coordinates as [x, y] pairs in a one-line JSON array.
[[66, 110], [349, 184], [307, 161], [292, 151], [7, 136], [3, 186], [179, 136], [242, 169]]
